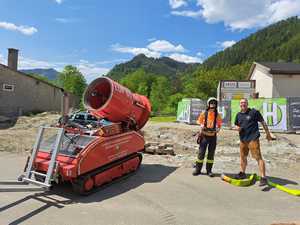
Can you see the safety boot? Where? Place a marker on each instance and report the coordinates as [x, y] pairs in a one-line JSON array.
[[209, 169], [210, 174], [263, 182], [241, 175], [198, 168]]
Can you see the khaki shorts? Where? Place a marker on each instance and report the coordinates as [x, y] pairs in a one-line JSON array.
[[254, 148]]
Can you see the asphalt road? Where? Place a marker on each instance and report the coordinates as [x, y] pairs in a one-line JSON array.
[[156, 194]]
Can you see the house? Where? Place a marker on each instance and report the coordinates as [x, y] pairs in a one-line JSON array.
[[21, 93], [274, 80]]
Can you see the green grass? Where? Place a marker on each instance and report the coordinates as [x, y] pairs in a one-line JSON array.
[[160, 119]]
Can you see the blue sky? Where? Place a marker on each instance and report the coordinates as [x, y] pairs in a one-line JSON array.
[[95, 35]]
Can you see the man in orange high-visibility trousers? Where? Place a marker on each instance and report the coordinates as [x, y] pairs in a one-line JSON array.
[[210, 122]]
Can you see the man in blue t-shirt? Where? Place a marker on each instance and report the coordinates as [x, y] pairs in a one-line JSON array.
[[246, 122]]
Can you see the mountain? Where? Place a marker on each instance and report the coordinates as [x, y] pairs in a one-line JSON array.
[[277, 42], [161, 66], [51, 74], [166, 81]]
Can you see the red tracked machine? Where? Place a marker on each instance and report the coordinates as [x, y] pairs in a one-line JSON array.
[[91, 157]]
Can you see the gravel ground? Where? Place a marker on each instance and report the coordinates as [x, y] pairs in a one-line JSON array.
[[284, 152], [163, 191]]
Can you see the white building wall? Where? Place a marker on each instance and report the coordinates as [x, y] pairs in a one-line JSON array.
[[286, 86], [264, 82]]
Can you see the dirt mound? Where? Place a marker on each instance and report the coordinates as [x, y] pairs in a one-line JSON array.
[[285, 150], [21, 136]]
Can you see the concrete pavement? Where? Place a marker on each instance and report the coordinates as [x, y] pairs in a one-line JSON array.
[[156, 194]]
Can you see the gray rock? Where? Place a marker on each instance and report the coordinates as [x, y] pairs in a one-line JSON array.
[[169, 151], [148, 144], [151, 149]]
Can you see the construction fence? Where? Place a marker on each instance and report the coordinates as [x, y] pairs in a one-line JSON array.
[[281, 114], [189, 109]]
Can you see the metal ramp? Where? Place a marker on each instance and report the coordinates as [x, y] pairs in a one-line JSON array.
[[29, 177]]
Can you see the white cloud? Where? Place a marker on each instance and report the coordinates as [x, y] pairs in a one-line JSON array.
[[152, 39], [66, 20], [164, 46], [113, 61], [161, 48], [27, 63], [58, 1], [243, 14], [188, 13], [236, 14], [226, 44], [23, 29], [177, 3], [90, 70], [135, 51], [284, 9], [2, 60], [185, 58], [200, 54]]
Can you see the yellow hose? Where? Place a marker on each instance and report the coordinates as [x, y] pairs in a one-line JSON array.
[[251, 180], [285, 189], [240, 183]]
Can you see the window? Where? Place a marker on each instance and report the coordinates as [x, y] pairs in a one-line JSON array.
[[8, 87]]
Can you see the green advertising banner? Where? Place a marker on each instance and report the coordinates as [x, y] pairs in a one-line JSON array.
[[183, 111], [273, 110]]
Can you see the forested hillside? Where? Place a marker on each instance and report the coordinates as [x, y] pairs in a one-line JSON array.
[[278, 42], [50, 74], [166, 66], [166, 81]]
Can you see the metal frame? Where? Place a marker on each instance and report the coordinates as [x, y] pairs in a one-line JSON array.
[[26, 178], [48, 176]]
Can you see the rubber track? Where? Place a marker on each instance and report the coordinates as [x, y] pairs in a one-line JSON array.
[[107, 167]]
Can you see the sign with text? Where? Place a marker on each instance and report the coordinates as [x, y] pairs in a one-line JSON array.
[[294, 112], [228, 89], [189, 109], [244, 85], [230, 84], [225, 110], [183, 111], [273, 110]]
